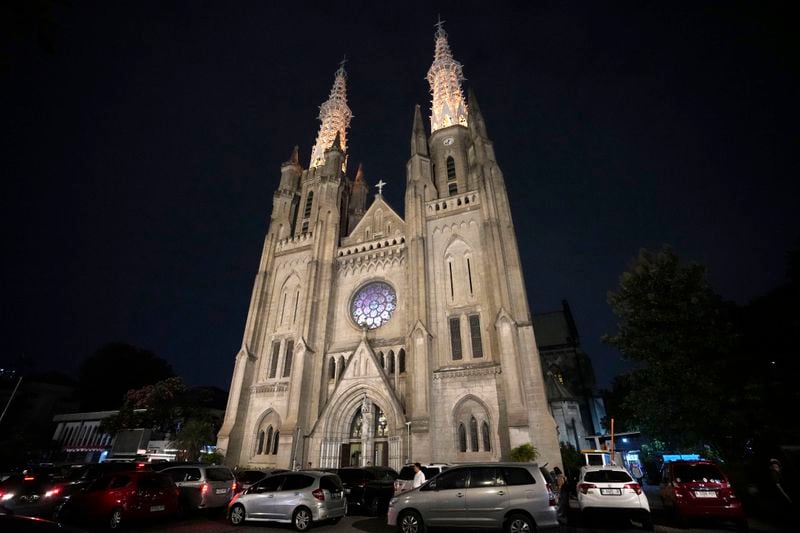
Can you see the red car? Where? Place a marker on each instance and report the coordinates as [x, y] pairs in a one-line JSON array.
[[117, 498], [699, 489]]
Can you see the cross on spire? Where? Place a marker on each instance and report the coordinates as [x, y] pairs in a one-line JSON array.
[[380, 185], [342, 62], [440, 25]]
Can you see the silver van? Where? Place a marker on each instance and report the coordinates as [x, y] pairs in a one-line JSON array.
[[511, 496], [297, 498], [203, 486]]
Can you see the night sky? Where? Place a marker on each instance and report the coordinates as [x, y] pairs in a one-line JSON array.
[[140, 157]]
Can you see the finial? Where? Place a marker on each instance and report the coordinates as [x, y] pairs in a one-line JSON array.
[[440, 26], [341, 64], [380, 185]]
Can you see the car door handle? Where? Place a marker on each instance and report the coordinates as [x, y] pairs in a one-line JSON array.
[[460, 494], [500, 492]]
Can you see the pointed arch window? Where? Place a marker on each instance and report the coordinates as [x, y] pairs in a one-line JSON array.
[[309, 203], [462, 438], [269, 440], [332, 368], [473, 434], [287, 359], [260, 442], [455, 338], [391, 362], [401, 361], [451, 168], [487, 438], [341, 366], [275, 443], [356, 425], [383, 361], [273, 364]]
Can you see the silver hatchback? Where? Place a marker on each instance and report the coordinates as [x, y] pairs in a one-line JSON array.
[[297, 498], [203, 486], [512, 496]]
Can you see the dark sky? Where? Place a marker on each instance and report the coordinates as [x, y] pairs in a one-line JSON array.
[[140, 158]]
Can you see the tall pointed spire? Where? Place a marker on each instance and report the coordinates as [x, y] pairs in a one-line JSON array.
[[334, 115], [444, 77], [476, 122], [419, 140]]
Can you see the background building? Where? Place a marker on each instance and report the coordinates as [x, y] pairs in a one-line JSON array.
[[574, 401]]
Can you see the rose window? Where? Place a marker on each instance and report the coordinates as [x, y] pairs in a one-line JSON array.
[[373, 305]]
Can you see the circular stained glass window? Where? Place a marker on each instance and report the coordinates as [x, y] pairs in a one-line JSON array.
[[373, 305]]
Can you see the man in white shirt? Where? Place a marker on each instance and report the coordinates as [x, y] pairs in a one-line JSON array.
[[419, 476]]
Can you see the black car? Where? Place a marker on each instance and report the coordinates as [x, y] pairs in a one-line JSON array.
[[368, 488]]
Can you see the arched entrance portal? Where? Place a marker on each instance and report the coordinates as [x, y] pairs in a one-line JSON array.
[[367, 441]]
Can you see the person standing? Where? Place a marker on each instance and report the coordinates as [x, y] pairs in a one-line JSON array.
[[782, 503], [419, 476]]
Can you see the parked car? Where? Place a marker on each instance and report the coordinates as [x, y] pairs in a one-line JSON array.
[[512, 496], [297, 498], [203, 486], [694, 489], [610, 489], [29, 494], [368, 488], [405, 478], [247, 478], [114, 499]]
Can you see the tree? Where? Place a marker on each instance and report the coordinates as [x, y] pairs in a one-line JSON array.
[[679, 333], [114, 369], [191, 438], [159, 407], [524, 453]]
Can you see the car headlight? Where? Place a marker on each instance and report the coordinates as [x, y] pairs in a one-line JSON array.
[[393, 502]]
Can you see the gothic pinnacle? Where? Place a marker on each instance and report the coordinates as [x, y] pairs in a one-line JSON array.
[[334, 116], [360, 172], [445, 77], [419, 142], [476, 121]]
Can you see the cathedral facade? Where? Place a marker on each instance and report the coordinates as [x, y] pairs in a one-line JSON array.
[[377, 339]]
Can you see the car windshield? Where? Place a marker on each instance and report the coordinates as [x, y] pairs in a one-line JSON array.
[[219, 474], [607, 476], [700, 473], [251, 476], [406, 473]]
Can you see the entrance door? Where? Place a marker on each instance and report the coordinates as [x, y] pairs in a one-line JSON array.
[[344, 457], [381, 453], [351, 454]]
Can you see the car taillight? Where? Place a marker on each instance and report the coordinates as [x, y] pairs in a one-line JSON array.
[[29, 478], [233, 487], [551, 495], [635, 487], [204, 488], [52, 492], [584, 487], [318, 494], [140, 466]]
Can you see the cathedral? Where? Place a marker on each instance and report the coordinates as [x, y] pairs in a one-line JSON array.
[[374, 338]]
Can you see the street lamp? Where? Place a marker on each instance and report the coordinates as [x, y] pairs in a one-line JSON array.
[[408, 442]]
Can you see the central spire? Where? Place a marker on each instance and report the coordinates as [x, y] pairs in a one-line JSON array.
[[445, 76], [334, 115]]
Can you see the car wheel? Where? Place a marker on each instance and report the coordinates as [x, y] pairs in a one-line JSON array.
[[238, 515], [411, 522], [115, 522], [374, 506], [301, 520], [519, 523]]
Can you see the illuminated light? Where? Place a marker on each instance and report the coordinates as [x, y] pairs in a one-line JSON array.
[[6, 496], [29, 478], [334, 116], [444, 77], [204, 488], [52, 492], [625, 440]]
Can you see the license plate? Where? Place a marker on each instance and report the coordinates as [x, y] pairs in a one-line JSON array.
[[220, 491], [610, 492], [705, 494], [154, 508]]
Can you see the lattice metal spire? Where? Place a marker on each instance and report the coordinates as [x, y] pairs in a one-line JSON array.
[[445, 77], [334, 115]]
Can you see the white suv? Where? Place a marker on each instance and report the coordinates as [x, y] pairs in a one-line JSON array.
[[610, 489], [405, 480]]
